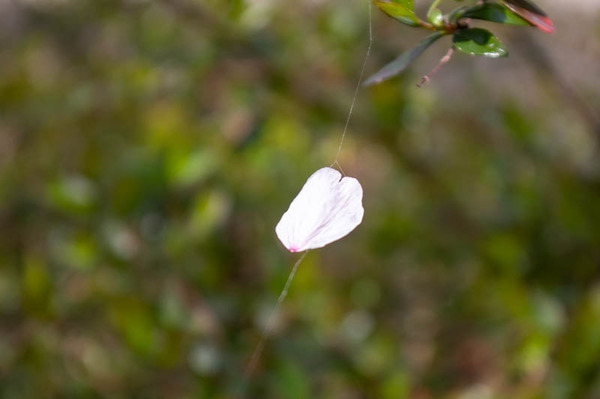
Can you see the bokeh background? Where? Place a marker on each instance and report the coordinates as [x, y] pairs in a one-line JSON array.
[[149, 147]]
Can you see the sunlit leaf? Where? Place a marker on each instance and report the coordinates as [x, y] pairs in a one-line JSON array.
[[476, 41], [401, 11], [403, 61], [435, 16], [409, 4]]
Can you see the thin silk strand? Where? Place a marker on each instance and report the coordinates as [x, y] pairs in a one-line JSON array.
[[360, 79], [271, 320]]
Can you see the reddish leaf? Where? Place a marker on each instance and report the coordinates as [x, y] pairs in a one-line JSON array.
[[531, 13]]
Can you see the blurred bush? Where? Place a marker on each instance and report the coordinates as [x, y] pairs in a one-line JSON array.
[[148, 148]]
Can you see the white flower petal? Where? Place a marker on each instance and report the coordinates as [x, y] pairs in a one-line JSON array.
[[327, 208]]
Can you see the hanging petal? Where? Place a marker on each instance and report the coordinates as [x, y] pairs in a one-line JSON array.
[[327, 208]]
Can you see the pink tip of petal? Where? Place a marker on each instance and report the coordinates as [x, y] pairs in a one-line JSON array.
[[293, 249]]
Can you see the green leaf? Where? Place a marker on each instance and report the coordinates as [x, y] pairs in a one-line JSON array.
[[402, 11], [401, 63], [457, 13], [435, 16], [494, 13], [410, 4], [476, 41]]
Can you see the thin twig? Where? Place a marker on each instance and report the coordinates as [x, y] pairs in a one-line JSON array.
[[440, 64]]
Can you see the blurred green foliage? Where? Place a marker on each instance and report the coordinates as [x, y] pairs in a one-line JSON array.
[[148, 149]]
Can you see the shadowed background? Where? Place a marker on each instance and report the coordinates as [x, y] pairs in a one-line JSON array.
[[148, 149]]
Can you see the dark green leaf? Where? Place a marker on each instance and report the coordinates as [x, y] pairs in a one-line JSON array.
[[527, 6], [494, 13], [401, 11], [458, 13], [476, 41], [401, 63]]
